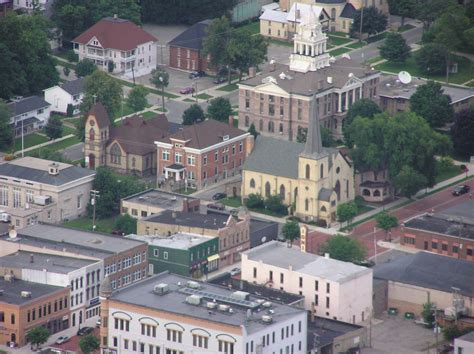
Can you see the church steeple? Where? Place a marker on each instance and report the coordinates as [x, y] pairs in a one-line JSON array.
[[314, 146]]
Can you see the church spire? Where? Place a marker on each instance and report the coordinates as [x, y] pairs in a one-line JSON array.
[[313, 145]]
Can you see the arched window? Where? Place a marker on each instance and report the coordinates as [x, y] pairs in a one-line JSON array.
[[321, 170], [115, 154], [267, 189], [337, 189], [260, 125], [323, 209], [366, 192], [252, 183], [282, 192], [306, 204], [91, 134], [307, 174], [333, 14], [376, 193], [247, 121]]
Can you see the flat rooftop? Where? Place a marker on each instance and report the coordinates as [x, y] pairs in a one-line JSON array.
[[278, 254], [12, 291], [179, 241], [40, 261], [158, 198], [213, 221], [325, 330], [141, 294], [62, 238]]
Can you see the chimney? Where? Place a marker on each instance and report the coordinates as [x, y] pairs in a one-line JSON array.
[[290, 268], [329, 79], [32, 258], [252, 71], [231, 120]]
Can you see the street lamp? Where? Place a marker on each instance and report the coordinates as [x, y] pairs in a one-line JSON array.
[[162, 92]]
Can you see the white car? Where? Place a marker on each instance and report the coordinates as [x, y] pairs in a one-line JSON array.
[[62, 339], [235, 271]]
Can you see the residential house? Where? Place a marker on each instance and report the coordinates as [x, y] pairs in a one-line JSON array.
[[332, 289], [26, 305], [82, 276], [28, 114], [190, 255], [119, 46], [169, 313], [464, 344], [34, 190], [5, 6], [277, 101], [202, 153], [232, 231], [186, 49], [66, 97]]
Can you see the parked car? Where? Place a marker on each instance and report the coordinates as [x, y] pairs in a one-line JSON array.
[[461, 190], [235, 271], [85, 331], [186, 90], [216, 206], [196, 74], [220, 80], [62, 339], [219, 196]]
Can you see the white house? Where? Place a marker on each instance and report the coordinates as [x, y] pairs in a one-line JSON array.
[[29, 5], [464, 344], [29, 113], [334, 289], [169, 313], [69, 93], [119, 42]]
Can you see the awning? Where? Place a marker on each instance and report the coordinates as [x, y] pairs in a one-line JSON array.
[[213, 258]]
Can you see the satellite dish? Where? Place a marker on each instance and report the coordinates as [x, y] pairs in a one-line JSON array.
[[12, 233], [404, 77]]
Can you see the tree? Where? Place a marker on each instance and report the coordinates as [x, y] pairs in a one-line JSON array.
[[6, 131], [137, 98], [126, 224], [100, 87], [89, 343], [291, 231], [326, 136], [429, 10], [219, 109], [346, 212], [409, 181], [66, 71], [462, 132], [38, 336], [427, 315], [54, 128], [431, 58], [275, 204], [160, 78], [395, 48], [344, 248], [451, 332], [253, 131], [402, 8], [70, 110], [386, 222], [85, 67], [431, 103], [215, 43], [361, 108], [254, 201], [12, 79], [193, 114], [71, 56], [373, 22]]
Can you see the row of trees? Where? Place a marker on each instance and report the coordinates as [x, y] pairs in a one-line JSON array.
[[40, 335], [219, 109]]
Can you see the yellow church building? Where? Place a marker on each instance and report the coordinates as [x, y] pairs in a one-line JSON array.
[[309, 176]]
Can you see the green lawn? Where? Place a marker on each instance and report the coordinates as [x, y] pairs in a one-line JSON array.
[[335, 41], [356, 45], [30, 140], [228, 88], [339, 34], [186, 191], [102, 225], [60, 145], [149, 115], [471, 84], [203, 96], [465, 70], [253, 27], [189, 100], [280, 42], [66, 64], [443, 176], [233, 202], [267, 212], [68, 130], [339, 51], [149, 89]]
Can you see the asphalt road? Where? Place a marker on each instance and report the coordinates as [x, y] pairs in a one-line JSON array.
[[74, 152]]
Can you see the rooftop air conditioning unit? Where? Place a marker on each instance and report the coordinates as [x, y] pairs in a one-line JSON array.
[[267, 304], [9, 277], [240, 295], [211, 305], [42, 199], [193, 284], [161, 289], [25, 294], [193, 299], [223, 308], [267, 319]]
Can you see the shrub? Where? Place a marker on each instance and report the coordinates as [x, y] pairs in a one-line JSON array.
[[254, 201], [71, 56], [275, 204]]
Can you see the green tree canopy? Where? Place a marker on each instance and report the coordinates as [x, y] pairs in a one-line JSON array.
[[344, 248], [386, 222], [254, 201], [395, 48], [158, 73], [428, 315], [246, 50], [429, 10], [6, 131], [402, 8], [364, 107], [431, 58], [409, 181], [346, 211], [431, 103], [85, 67], [218, 36], [462, 133], [219, 109], [54, 128], [291, 231], [137, 98], [38, 336], [253, 131], [126, 224], [326, 136], [274, 203], [193, 114], [89, 343], [373, 22]]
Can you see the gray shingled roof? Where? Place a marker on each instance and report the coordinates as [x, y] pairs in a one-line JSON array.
[[74, 87], [431, 271], [325, 194], [274, 157], [349, 11], [27, 104], [192, 37]]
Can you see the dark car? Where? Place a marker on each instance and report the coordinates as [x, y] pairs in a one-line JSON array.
[[186, 90], [461, 190], [216, 206], [219, 196], [220, 80], [196, 74], [85, 331]]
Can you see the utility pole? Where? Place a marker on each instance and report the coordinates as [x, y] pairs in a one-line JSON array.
[[162, 93], [94, 195], [361, 19]]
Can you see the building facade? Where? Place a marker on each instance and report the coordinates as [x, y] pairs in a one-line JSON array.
[[28, 115], [170, 314], [332, 289], [119, 46], [277, 102], [66, 98], [34, 190]]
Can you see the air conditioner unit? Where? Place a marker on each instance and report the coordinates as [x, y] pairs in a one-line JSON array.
[[161, 289], [25, 294], [223, 308], [193, 299], [193, 284], [42, 199], [267, 319]]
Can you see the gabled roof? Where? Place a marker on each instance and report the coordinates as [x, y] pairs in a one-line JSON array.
[[303, 9], [74, 87], [274, 16], [349, 11], [100, 114], [27, 104], [116, 33], [192, 37]]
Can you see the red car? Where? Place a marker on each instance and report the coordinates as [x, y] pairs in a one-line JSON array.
[[186, 90]]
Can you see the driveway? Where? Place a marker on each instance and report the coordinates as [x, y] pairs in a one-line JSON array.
[[74, 152]]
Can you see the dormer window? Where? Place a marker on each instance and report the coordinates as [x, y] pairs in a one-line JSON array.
[[225, 138]]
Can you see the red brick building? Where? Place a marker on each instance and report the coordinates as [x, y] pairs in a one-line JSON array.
[[202, 153], [186, 48]]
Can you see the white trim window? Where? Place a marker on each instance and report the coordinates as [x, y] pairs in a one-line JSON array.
[[4, 195], [191, 160]]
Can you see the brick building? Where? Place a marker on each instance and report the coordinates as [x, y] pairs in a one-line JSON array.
[[449, 233], [203, 153], [186, 49], [26, 305]]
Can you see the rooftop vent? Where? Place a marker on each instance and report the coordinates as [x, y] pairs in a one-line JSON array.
[[161, 289], [211, 305], [223, 308], [193, 284], [267, 319], [193, 299], [9, 277], [54, 169], [25, 294], [267, 304], [240, 295]]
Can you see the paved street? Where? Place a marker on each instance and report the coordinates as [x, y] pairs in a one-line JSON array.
[[74, 152]]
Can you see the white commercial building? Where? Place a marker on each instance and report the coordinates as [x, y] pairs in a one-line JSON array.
[[333, 289], [171, 314], [69, 93]]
